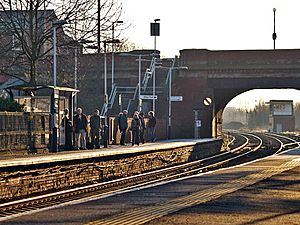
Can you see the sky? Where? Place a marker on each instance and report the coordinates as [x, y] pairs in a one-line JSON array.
[[216, 25]]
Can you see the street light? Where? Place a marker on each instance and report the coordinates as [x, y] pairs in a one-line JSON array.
[[98, 25], [170, 98], [154, 85], [113, 54], [55, 24], [274, 36], [155, 31], [105, 138], [170, 94], [76, 44]]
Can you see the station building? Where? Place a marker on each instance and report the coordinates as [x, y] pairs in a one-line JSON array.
[[282, 116]]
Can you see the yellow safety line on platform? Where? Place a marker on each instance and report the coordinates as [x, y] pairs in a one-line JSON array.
[[148, 213]]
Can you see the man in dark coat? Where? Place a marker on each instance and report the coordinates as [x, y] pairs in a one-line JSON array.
[[95, 121], [151, 125], [80, 127], [67, 128], [135, 128], [143, 127], [123, 125]]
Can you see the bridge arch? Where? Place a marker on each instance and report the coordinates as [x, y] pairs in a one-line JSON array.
[[223, 75]]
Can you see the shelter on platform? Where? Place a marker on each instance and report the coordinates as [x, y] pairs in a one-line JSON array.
[[39, 98]]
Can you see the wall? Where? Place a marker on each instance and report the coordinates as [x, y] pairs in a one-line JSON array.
[[23, 132], [18, 182], [287, 123], [222, 75]]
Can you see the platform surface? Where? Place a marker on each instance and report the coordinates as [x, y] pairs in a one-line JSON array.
[[262, 192], [6, 161]]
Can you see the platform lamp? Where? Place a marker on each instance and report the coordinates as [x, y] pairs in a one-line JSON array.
[[56, 24], [77, 45], [98, 25], [170, 97], [113, 54], [155, 31], [105, 135], [171, 69], [274, 36]]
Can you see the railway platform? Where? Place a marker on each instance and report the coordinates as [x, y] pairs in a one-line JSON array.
[[111, 151], [25, 176], [262, 192]]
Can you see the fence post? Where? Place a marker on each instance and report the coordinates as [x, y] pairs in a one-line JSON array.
[[30, 129]]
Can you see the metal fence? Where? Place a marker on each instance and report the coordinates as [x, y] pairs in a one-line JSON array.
[[32, 131]]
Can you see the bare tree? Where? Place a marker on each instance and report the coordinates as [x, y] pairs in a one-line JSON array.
[[26, 31]]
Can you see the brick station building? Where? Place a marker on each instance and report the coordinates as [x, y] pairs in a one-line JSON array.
[[282, 116]]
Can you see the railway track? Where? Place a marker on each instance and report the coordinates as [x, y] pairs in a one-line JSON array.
[[247, 149]]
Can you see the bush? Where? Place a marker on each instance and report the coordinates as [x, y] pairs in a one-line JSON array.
[[8, 105]]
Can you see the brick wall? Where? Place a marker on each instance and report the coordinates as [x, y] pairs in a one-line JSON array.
[[23, 131], [18, 182]]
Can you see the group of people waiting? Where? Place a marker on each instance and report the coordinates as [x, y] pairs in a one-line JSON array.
[[80, 128], [137, 127]]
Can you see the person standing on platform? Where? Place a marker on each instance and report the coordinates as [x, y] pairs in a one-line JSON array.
[[151, 125], [143, 127], [80, 127], [67, 130], [135, 128], [95, 121], [123, 125]]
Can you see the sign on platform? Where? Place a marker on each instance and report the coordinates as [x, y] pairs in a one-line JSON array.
[[145, 97], [176, 98], [198, 123], [56, 93], [207, 101]]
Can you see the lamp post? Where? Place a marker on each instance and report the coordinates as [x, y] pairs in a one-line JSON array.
[[105, 138], [170, 98], [170, 94], [55, 24], [158, 32], [274, 36], [155, 31], [75, 74], [154, 97], [113, 54], [98, 26], [76, 45], [154, 84]]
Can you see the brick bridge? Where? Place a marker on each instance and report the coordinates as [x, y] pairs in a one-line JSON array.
[[222, 75], [219, 75]]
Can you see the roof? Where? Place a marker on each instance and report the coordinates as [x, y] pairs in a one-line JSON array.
[[29, 87], [3, 79]]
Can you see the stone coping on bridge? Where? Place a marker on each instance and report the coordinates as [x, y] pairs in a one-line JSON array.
[[112, 150]]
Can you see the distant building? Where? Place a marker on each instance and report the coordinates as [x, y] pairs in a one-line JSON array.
[[282, 116]]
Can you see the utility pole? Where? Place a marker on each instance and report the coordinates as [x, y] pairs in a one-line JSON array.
[[274, 36], [98, 26]]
